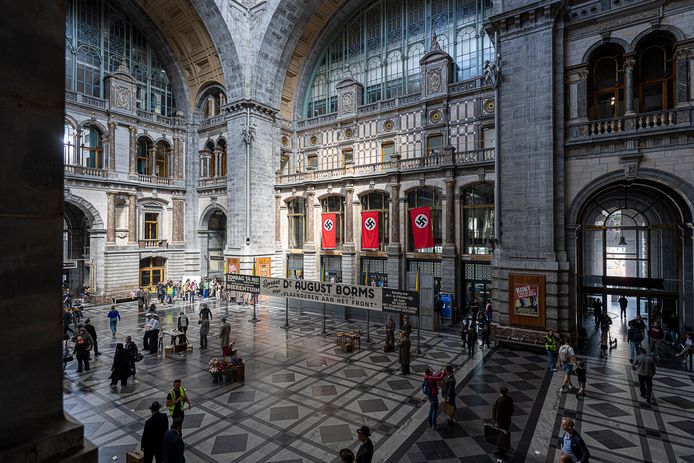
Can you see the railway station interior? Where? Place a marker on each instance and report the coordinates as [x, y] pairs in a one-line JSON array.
[[309, 170]]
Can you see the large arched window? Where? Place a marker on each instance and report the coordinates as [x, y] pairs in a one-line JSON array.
[[99, 38], [425, 197], [606, 83], [382, 27], [654, 75], [478, 219], [394, 79], [161, 159], [222, 157], [92, 148], [378, 201], [336, 204], [296, 218], [145, 155], [69, 154]]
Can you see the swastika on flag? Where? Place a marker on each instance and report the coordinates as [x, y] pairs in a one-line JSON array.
[[370, 224], [328, 224], [421, 221]]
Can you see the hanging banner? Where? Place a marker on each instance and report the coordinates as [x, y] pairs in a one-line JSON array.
[[420, 218], [329, 223], [361, 297], [369, 230]]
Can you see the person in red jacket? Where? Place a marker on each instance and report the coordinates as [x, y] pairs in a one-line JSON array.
[[431, 390]]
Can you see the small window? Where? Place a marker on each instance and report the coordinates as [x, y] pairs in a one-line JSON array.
[[387, 151], [312, 161], [347, 156], [434, 144], [488, 138], [151, 225]]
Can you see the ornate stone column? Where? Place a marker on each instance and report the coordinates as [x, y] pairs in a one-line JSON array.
[[577, 81], [349, 274], [310, 232], [450, 213], [177, 157], [177, 234], [629, 62], [278, 224], [395, 215], [132, 167], [132, 219], [112, 145], [349, 216], [110, 218]]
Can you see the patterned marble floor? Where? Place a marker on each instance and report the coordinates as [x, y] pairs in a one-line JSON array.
[[303, 398]]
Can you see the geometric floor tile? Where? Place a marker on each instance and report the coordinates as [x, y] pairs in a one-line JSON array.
[[355, 373], [290, 412], [193, 420], [685, 425], [335, 433], [606, 387], [669, 381], [283, 378], [400, 385], [679, 402], [372, 405], [608, 410], [435, 450], [610, 439], [241, 397], [322, 391], [230, 444]]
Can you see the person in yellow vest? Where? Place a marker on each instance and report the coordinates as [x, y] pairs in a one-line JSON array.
[[175, 400], [551, 348]]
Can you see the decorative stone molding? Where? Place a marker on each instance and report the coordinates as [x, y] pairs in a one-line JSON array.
[[631, 165], [349, 97], [121, 91], [436, 68]]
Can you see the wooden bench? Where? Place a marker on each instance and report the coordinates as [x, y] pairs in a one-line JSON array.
[[524, 337]]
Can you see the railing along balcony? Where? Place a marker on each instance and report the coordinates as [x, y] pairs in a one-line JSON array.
[[625, 124], [147, 244], [89, 171], [214, 181], [154, 180], [395, 164]]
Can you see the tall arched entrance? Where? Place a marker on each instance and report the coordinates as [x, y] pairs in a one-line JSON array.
[[214, 241], [76, 249], [631, 244]]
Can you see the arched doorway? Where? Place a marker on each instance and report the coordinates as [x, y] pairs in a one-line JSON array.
[[76, 250], [152, 272], [631, 244], [216, 242]]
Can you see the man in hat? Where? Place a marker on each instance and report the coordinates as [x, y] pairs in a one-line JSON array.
[[152, 442], [366, 449]]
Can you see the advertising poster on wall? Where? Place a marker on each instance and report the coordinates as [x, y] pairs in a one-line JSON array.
[[526, 299]]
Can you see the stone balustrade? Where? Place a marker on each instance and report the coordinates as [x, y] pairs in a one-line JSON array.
[[624, 124], [214, 181], [148, 244], [88, 171]]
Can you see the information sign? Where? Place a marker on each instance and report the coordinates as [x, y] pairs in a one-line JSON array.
[[400, 301], [243, 283]]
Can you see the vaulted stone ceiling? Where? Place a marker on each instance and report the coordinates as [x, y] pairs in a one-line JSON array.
[[180, 24], [322, 13]]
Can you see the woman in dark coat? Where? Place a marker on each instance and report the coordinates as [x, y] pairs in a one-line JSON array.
[[448, 392], [121, 366], [404, 353]]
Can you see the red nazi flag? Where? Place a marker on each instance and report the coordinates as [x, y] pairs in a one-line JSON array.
[[329, 223], [369, 230], [422, 232]]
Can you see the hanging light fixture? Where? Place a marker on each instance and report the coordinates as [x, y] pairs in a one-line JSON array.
[[622, 241]]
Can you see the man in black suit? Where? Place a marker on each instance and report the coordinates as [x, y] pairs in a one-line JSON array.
[[152, 442]]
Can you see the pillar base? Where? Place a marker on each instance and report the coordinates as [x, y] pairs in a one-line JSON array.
[[59, 442]]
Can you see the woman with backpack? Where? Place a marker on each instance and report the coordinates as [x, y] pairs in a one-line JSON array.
[[635, 337], [567, 357]]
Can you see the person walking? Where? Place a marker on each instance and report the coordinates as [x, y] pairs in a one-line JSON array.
[[623, 303], [224, 333], [471, 341], [645, 368], [488, 311], [438, 309], [581, 372], [597, 311], [484, 335], [133, 354], [140, 300], [152, 334], [113, 319], [192, 288], [655, 337], [120, 370], [170, 293], [464, 328], [551, 348], [152, 441], [174, 449], [89, 328], [572, 443], [81, 352], [204, 331], [567, 357], [404, 353], [501, 415], [175, 399], [365, 453], [431, 391], [635, 337], [390, 335], [448, 392]]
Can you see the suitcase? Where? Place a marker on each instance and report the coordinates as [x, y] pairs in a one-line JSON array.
[[497, 436], [135, 456]]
